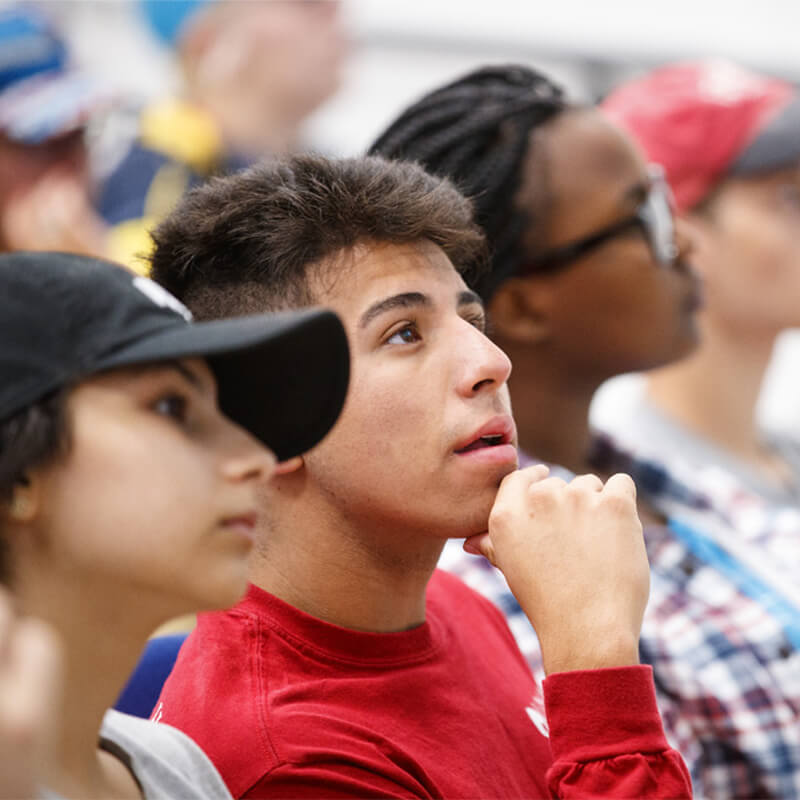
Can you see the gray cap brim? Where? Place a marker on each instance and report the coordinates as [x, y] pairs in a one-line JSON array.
[[777, 144]]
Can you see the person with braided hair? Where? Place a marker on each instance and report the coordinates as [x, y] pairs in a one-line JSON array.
[[589, 275], [589, 279]]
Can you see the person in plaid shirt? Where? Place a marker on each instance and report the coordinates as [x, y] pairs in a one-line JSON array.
[[590, 279]]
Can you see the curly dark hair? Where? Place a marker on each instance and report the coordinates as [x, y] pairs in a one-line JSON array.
[[244, 243]]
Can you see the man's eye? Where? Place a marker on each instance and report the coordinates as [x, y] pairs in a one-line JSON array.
[[408, 334], [172, 405], [477, 321]]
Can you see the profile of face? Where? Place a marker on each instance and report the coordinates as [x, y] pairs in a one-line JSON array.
[[748, 252], [284, 54], [426, 434], [156, 496], [615, 308]]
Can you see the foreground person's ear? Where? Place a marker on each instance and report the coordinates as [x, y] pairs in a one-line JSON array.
[[23, 505], [519, 311]]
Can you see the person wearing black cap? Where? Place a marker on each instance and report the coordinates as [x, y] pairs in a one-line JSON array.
[[353, 668], [132, 443]]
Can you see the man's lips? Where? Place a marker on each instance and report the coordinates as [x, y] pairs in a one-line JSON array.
[[499, 430]]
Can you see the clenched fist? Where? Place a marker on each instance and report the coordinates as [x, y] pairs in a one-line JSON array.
[[574, 557]]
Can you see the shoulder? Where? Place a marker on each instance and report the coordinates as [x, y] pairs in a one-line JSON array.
[[166, 762]]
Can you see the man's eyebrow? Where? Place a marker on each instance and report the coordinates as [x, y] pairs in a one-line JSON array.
[[468, 298], [404, 300]]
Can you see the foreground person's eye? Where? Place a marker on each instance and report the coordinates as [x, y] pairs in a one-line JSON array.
[[172, 405]]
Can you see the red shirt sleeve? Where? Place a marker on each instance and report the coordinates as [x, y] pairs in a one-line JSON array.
[[607, 737]]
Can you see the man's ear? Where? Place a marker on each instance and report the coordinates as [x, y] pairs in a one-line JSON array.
[[290, 465], [520, 311]]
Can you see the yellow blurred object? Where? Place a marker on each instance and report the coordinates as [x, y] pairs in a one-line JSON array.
[[178, 625], [130, 243], [182, 132]]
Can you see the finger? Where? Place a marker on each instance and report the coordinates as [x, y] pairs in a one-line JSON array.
[[520, 479], [590, 482], [547, 485], [535, 473], [622, 485]]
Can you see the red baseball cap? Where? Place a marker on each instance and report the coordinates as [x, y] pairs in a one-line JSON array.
[[705, 120]]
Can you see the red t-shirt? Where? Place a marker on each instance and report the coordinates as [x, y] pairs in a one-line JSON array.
[[288, 706]]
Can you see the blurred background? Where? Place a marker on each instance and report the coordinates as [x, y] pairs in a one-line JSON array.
[[402, 48]]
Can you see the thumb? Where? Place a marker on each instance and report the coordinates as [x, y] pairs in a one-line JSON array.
[[480, 545]]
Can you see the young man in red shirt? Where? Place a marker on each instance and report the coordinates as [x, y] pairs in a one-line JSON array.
[[353, 668]]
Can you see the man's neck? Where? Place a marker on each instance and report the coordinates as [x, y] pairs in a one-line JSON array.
[[551, 409], [714, 392], [361, 576]]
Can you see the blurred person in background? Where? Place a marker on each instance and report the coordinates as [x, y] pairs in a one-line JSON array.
[[45, 106], [133, 445], [729, 140], [253, 72], [589, 279]]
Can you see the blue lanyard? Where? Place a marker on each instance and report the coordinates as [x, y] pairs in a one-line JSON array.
[[709, 552]]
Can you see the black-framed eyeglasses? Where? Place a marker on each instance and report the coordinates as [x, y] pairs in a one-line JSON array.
[[653, 217]]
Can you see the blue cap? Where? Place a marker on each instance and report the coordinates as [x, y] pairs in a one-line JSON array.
[[167, 17], [41, 97]]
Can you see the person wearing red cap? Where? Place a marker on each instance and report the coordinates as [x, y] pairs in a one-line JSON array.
[[725, 642], [729, 142]]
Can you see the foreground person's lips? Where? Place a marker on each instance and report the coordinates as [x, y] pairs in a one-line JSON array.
[[243, 524]]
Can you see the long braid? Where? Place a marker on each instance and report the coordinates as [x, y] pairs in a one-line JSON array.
[[476, 131]]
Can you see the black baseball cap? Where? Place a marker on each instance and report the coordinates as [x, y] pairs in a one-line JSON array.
[[65, 317]]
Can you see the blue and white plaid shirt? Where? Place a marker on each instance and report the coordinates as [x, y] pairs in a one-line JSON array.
[[722, 627]]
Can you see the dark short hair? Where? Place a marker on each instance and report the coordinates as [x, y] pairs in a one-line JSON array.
[[30, 438], [478, 131], [244, 243]]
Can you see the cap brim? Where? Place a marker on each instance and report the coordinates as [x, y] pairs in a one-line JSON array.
[[50, 105], [281, 376], [777, 144]]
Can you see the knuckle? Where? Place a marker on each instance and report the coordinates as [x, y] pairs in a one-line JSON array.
[[619, 505], [500, 517]]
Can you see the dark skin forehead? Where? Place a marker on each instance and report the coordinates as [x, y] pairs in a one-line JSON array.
[[581, 174]]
